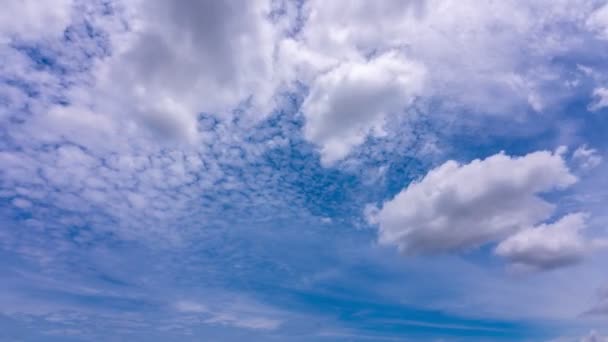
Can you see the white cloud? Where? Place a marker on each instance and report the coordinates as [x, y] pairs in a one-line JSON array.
[[351, 101], [586, 158], [112, 149], [171, 61], [460, 206], [456, 41], [32, 19], [246, 315], [184, 58], [472, 53], [601, 99], [547, 246], [598, 21]]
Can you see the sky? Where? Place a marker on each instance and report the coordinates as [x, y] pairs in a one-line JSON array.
[[421, 170]]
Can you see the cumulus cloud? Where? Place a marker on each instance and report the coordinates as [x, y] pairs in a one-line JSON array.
[[351, 101], [166, 63], [88, 111], [547, 246], [183, 59], [471, 51], [460, 206]]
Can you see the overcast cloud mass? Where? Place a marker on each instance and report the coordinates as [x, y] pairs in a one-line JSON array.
[[197, 170]]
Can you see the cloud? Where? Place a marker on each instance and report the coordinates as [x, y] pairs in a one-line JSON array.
[[586, 158], [352, 101], [547, 246], [79, 136], [32, 19], [601, 99], [598, 21], [460, 206], [471, 54], [233, 313], [133, 123], [183, 59], [157, 66]]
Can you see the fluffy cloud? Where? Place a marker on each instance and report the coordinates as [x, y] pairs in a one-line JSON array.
[[183, 59], [97, 119], [547, 246], [472, 52], [351, 101], [459, 206], [168, 62], [118, 82]]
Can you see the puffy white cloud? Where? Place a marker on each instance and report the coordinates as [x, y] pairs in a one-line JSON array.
[[111, 83], [472, 52], [182, 59], [547, 246], [456, 40], [351, 101], [586, 158], [168, 61], [601, 99], [459, 206]]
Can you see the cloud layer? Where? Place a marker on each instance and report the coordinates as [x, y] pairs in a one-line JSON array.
[[152, 152]]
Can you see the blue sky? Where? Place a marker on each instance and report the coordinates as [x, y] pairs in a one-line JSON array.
[[425, 170]]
